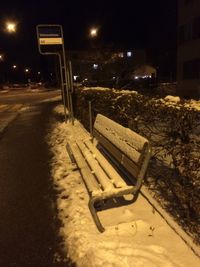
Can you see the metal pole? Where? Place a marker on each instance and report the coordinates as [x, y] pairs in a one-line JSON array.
[[90, 118], [71, 78], [71, 91], [71, 105], [70, 95], [65, 72], [62, 87]]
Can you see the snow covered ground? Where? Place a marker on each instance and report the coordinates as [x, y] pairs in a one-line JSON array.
[[136, 235]]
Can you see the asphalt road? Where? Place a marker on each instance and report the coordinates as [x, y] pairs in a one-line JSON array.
[[26, 96], [28, 217]]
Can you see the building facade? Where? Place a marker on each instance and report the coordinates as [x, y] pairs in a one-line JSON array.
[[105, 64], [188, 57]]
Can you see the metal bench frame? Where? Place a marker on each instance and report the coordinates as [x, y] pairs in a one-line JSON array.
[[81, 154]]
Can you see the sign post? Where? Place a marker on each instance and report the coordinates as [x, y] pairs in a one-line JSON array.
[[51, 42]]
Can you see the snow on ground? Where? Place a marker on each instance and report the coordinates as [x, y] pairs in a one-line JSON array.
[[135, 236]]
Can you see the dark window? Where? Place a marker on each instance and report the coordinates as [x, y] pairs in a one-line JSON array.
[[181, 34], [196, 28], [185, 33], [187, 1], [191, 69]]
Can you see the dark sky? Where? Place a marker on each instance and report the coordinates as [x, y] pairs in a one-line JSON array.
[[123, 24]]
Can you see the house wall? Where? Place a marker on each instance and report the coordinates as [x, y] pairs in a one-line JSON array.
[[188, 58]]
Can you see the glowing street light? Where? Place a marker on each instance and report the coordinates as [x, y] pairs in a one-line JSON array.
[[93, 32], [26, 70], [11, 27], [1, 57], [14, 66]]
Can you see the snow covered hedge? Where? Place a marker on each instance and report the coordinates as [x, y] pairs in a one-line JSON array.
[[173, 126]]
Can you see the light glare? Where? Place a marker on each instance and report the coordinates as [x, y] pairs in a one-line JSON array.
[[93, 32], [11, 27]]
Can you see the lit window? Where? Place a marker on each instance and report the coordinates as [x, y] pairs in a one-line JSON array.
[[129, 54], [75, 77], [95, 66]]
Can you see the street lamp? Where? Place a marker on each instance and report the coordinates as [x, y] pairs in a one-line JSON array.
[[11, 27], [93, 32], [14, 66]]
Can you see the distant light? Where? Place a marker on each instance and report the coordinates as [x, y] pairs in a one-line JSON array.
[[1, 57], [95, 66], [129, 54], [146, 76], [51, 74], [75, 77], [121, 54], [11, 27], [14, 66], [26, 70], [93, 32], [136, 77], [39, 73]]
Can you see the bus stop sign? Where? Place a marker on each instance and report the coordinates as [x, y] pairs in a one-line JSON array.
[[50, 35]]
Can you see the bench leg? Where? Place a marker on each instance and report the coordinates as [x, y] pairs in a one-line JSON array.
[[94, 215]]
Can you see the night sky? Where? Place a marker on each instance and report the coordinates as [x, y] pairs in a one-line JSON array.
[[122, 24]]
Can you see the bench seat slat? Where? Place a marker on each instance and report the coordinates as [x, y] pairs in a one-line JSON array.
[[98, 171], [123, 160], [108, 168], [89, 179]]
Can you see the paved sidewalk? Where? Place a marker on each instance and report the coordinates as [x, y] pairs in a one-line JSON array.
[[28, 216]]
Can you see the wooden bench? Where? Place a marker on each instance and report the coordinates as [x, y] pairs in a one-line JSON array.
[[114, 143]]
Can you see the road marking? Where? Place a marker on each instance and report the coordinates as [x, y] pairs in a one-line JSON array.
[[16, 107], [10, 108], [3, 107]]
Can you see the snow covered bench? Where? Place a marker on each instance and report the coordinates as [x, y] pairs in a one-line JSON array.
[[123, 147]]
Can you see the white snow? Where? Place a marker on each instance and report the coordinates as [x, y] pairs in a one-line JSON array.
[[174, 99], [96, 88], [193, 104], [136, 235]]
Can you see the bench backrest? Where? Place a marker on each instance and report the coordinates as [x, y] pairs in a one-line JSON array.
[[128, 148]]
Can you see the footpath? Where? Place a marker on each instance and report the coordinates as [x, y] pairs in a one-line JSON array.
[[29, 225]]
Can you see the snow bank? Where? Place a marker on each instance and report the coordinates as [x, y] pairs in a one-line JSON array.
[[174, 99], [135, 236], [97, 88]]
